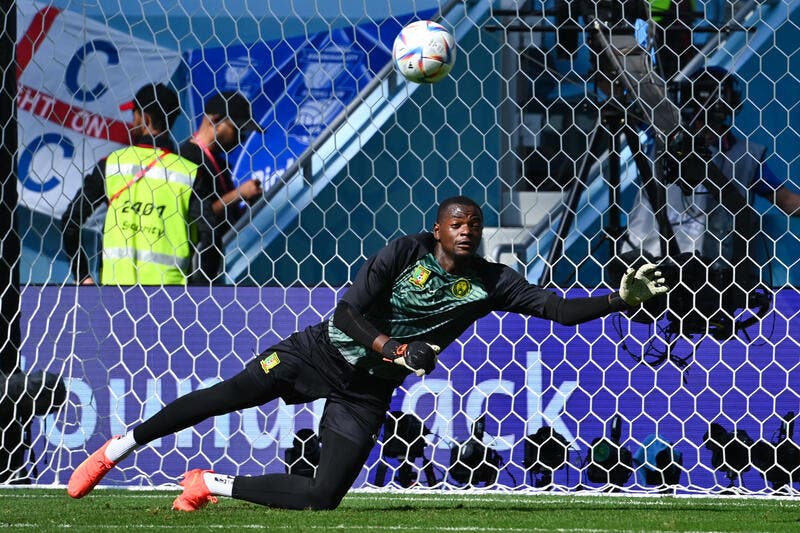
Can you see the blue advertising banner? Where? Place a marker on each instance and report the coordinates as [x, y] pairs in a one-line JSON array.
[[297, 86], [126, 352]]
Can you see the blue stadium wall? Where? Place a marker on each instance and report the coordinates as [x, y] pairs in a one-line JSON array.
[[367, 203], [393, 185], [390, 188]]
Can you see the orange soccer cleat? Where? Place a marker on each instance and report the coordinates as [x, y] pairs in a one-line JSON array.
[[195, 493], [90, 472]]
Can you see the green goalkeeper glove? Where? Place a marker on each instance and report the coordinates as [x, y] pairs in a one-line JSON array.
[[640, 285], [417, 356]]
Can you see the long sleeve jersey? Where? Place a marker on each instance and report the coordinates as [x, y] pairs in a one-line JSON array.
[[404, 292]]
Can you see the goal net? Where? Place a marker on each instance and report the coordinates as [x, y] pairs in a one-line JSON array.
[[548, 120]]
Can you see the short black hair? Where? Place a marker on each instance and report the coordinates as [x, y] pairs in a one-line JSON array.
[[456, 200], [234, 106], [160, 103]]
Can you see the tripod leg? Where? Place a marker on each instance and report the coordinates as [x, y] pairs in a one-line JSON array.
[[613, 229], [573, 200], [380, 474], [656, 193], [430, 474]]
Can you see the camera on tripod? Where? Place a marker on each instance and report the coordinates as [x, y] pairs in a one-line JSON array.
[[707, 101], [404, 441], [709, 96], [472, 462], [610, 463], [302, 458], [730, 451], [779, 460], [545, 452]]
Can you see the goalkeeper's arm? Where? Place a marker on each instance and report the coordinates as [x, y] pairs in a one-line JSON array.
[[417, 356], [636, 287]]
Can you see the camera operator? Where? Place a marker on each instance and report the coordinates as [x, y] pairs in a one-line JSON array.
[[698, 207]]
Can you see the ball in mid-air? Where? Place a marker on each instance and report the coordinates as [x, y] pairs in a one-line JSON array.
[[424, 51]]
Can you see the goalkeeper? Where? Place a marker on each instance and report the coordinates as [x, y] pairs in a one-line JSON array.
[[411, 299]]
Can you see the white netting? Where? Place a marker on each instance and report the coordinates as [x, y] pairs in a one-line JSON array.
[[570, 151]]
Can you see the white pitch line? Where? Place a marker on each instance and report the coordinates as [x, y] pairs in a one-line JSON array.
[[345, 527], [537, 499]]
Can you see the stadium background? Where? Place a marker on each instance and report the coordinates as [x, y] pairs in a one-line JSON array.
[[376, 171]]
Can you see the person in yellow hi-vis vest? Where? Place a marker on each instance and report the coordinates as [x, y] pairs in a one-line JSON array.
[[159, 206]]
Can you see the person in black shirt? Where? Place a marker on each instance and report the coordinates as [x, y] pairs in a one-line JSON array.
[[411, 299], [227, 121], [155, 108]]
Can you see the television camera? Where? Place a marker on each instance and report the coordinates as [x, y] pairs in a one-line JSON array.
[[707, 101], [545, 452], [730, 451], [404, 441], [704, 296], [302, 458], [658, 463], [779, 460], [472, 462], [609, 462], [25, 395]]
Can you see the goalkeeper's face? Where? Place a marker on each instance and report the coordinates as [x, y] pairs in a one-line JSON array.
[[459, 230]]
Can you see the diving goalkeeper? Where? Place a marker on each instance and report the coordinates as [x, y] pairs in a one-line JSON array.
[[410, 300]]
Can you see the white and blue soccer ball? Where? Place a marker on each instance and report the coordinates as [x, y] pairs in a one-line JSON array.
[[424, 51]]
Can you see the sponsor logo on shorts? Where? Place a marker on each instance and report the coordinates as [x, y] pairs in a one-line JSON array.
[[270, 362], [420, 276], [461, 287]]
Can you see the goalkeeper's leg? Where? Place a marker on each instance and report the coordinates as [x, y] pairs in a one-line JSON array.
[[348, 431], [340, 463], [239, 392]]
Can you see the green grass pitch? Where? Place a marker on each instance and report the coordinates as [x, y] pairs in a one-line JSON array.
[[40, 510]]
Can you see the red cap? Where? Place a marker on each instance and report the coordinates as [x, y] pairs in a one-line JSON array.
[[155, 98]]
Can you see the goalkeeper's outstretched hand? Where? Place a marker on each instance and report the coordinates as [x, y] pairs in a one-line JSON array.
[[640, 285], [417, 356]]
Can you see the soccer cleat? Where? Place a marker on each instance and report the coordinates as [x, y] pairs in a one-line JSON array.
[[195, 493], [90, 472]]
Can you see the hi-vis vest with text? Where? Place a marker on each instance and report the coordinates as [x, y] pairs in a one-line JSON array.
[[147, 238]]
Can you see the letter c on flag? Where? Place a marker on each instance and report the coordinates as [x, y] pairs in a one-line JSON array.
[[75, 64], [26, 158]]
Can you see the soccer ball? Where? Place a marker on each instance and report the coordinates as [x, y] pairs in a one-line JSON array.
[[424, 52]]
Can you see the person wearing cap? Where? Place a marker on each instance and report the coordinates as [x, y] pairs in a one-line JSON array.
[[227, 121], [155, 108], [159, 205], [709, 201]]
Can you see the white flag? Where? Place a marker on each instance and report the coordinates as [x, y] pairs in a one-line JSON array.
[[73, 74]]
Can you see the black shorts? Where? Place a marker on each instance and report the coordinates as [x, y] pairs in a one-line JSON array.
[[306, 367]]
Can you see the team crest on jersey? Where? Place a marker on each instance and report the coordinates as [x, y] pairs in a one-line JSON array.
[[270, 362], [420, 276], [461, 287]]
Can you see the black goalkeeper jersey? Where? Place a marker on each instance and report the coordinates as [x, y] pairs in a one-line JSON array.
[[406, 294]]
